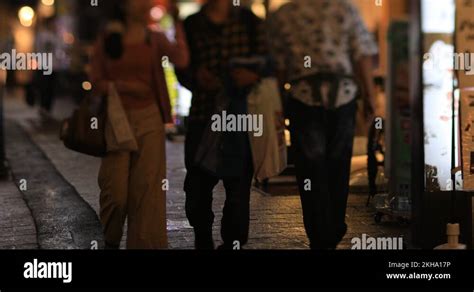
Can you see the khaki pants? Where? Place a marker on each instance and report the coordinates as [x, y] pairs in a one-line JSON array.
[[131, 185]]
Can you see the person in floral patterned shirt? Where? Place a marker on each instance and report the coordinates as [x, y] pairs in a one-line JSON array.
[[323, 50]]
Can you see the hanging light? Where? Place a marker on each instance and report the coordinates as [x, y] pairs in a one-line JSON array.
[[47, 2], [26, 14]]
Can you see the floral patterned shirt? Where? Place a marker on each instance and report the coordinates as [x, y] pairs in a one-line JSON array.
[[313, 38]]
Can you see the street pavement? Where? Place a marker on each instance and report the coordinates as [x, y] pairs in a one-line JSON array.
[[17, 228], [63, 219], [276, 220]]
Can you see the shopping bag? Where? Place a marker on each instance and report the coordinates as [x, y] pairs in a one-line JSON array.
[[118, 133], [209, 153], [269, 150]]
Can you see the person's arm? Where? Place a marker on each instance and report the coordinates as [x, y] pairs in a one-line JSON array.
[[364, 69], [195, 76], [97, 74], [244, 77], [276, 47], [177, 51], [186, 75], [363, 48]]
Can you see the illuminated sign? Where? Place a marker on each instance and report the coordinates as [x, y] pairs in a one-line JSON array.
[[438, 23]]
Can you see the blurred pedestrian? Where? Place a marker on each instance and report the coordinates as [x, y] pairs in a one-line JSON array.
[[131, 178], [218, 35], [47, 41], [322, 48]]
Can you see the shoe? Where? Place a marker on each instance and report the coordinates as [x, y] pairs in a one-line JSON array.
[[341, 234]]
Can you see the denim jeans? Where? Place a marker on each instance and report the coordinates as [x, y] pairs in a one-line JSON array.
[[323, 141], [46, 85]]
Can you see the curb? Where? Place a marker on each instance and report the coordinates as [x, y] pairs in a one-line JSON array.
[[62, 218]]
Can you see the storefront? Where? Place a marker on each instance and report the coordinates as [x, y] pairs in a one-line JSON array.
[[425, 61], [441, 34], [426, 104]]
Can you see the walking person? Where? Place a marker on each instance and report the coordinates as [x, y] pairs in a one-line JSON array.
[[322, 48], [129, 56], [218, 35], [47, 41]]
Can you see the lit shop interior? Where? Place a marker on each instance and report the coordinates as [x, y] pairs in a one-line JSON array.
[[417, 170]]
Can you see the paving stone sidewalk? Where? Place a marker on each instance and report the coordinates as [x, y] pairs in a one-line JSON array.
[[276, 221], [17, 227]]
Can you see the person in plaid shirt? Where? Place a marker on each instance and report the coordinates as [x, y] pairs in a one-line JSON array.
[[218, 34], [321, 48]]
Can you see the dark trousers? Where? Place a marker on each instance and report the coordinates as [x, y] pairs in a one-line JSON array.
[[199, 185], [323, 141], [46, 84]]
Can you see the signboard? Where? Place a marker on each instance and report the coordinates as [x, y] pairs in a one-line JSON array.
[[438, 16], [438, 21], [467, 126], [464, 61], [464, 66]]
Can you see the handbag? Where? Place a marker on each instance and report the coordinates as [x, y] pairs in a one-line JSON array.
[[84, 131], [209, 153]]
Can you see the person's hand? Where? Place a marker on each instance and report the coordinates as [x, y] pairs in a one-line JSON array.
[[244, 77], [170, 128], [206, 80]]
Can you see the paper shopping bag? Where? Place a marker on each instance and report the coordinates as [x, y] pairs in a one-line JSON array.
[[118, 133]]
